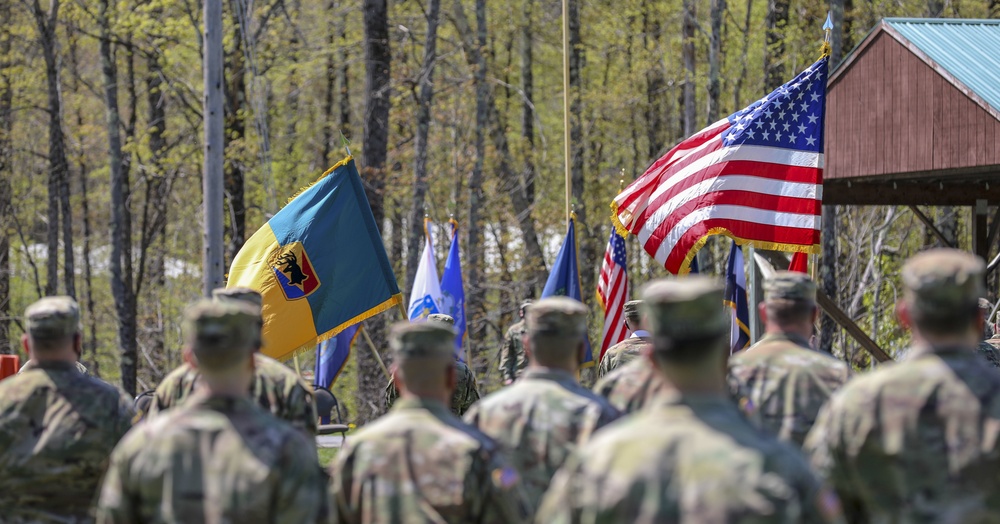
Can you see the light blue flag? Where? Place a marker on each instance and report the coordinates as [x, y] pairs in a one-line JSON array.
[[425, 295], [453, 291], [564, 280]]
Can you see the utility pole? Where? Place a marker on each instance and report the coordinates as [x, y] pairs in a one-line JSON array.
[[211, 182]]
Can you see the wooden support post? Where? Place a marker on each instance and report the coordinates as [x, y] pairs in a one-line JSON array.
[[930, 225], [828, 307]]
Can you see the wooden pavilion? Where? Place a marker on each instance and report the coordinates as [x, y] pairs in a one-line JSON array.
[[913, 118]]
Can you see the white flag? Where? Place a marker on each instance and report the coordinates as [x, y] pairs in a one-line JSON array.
[[425, 296]]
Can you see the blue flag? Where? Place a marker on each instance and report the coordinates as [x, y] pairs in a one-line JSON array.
[[452, 290], [331, 356], [564, 280], [736, 299], [425, 296]]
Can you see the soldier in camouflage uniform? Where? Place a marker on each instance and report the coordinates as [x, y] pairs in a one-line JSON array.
[[546, 414], [632, 386], [916, 441], [420, 463], [989, 347], [627, 350], [691, 456], [781, 382], [32, 364], [57, 425], [275, 387], [466, 390], [218, 457], [512, 358]]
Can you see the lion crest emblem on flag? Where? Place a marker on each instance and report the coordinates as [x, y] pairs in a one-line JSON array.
[[294, 271]]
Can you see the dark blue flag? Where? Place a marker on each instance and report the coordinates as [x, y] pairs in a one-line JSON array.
[[736, 299], [564, 280], [331, 356]]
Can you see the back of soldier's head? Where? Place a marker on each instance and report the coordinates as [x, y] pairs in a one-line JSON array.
[[238, 294], [632, 310], [789, 298], [423, 352], [942, 289], [51, 323], [556, 327], [222, 336], [686, 319]]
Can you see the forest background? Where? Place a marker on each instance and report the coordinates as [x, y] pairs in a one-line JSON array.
[[454, 109]]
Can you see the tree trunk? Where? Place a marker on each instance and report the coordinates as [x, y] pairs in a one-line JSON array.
[[534, 265], [376, 147], [690, 67], [425, 97], [584, 236], [476, 300], [714, 52], [126, 316], [235, 178], [774, 56], [527, 109], [46, 25], [655, 84], [738, 88], [6, 173], [157, 196]]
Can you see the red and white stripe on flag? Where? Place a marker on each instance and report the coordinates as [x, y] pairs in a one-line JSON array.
[[755, 176], [612, 292]]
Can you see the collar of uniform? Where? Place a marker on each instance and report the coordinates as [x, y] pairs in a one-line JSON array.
[[542, 373], [434, 406], [223, 403], [789, 337], [640, 333], [694, 400], [951, 349], [55, 365]]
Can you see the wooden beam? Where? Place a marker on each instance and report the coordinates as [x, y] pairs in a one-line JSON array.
[[950, 192], [930, 225], [994, 228], [767, 261], [980, 230]]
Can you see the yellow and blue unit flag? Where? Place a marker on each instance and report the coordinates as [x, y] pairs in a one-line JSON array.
[[564, 279], [319, 263]]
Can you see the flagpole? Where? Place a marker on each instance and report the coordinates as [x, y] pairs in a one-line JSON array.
[[378, 358], [566, 148]]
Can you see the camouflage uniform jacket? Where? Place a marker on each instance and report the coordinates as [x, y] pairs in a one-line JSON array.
[[213, 459], [781, 384], [275, 387], [990, 349], [915, 441], [512, 357], [631, 386], [57, 428], [420, 463], [620, 354], [686, 458], [466, 390], [541, 418]]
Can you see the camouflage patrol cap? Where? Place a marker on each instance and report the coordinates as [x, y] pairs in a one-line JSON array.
[[632, 310], [442, 318], [524, 306], [943, 282], [985, 304], [790, 285], [423, 340], [685, 309], [52, 318], [222, 333], [557, 317], [243, 294]]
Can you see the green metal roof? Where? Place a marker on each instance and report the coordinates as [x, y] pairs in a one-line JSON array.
[[967, 49]]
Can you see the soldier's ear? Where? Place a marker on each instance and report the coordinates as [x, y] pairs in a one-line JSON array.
[[762, 313], [903, 314], [188, 354], [26, 345]]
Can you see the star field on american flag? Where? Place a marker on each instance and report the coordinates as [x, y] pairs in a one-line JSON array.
[[790, 117], [618, 250]]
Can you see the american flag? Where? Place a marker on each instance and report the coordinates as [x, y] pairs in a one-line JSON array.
[[612, 292], [755, 176]]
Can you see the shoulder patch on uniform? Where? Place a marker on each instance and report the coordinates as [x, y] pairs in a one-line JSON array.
[[505, 477]]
